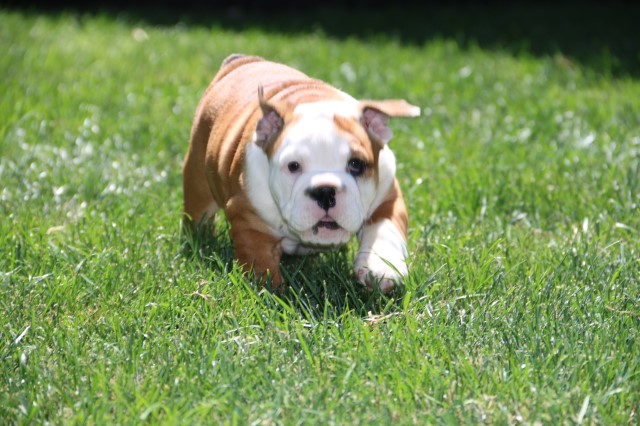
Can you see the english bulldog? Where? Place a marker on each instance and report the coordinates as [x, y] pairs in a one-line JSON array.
[[298, 166]]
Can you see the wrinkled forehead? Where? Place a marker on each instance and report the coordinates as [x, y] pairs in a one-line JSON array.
[[329, 127], [345, 108]]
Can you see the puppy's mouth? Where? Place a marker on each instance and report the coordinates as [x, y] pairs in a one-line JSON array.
[[326, 233], [327, 223]]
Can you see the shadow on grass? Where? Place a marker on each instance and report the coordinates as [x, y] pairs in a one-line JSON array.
[[601, 36], [319, 286], [323, 285]]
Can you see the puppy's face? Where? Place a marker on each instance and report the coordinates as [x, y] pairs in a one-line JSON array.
[[323, 174]]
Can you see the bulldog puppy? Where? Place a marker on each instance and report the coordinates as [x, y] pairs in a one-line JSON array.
[[297, 166]]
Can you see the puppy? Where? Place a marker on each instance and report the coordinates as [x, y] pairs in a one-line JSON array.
[[297, 166]]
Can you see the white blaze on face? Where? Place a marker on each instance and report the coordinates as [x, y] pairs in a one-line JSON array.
[[314, 153], [319, 155]]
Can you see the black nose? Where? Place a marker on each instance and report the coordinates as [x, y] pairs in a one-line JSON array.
[[324, 195]]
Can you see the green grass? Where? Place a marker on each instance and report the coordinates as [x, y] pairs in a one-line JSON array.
[[523, 184]]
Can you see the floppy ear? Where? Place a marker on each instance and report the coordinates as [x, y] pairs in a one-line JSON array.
[[375, 116], [271, 123]]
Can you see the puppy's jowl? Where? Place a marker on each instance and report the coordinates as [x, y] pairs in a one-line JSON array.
[[298, 166]]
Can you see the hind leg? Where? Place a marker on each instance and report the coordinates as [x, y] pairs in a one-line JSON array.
[[199, 204]]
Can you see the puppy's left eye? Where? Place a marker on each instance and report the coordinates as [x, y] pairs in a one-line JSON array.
[[356, 167], [293, 167]]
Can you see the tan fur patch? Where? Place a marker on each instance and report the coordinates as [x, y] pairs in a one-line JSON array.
[[394, 209], [362, 147]]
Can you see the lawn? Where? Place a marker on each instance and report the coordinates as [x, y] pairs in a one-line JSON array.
[[522, 179]]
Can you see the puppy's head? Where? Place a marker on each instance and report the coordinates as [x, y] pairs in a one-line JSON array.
[[329, 165]]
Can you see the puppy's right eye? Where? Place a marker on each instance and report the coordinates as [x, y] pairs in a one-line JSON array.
[[293, 166], [356, 167]]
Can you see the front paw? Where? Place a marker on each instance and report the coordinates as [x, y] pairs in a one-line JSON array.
[[374, 271], [381, 261]]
